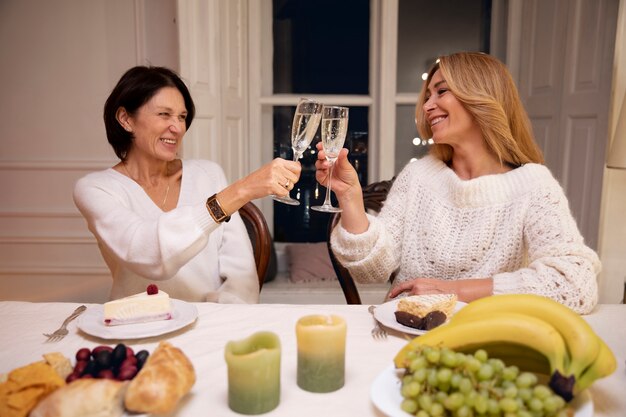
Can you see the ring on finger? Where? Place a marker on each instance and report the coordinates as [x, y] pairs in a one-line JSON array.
[[287, 184]]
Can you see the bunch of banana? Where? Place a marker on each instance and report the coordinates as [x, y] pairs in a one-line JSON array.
[[532, 332]]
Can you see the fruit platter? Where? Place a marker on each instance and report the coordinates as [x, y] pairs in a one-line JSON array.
[[521, 355]]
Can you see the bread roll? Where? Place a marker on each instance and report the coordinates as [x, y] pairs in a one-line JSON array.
[[84, 398], [165, 378]]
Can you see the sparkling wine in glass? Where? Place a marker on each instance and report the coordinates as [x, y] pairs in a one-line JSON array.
[[305, 122], [334, 129]]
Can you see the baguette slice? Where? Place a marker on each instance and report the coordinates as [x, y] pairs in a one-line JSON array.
[[84, 398], [166, 377], [421, 305]]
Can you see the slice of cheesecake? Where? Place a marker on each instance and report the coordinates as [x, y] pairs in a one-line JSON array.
[[150, 305]]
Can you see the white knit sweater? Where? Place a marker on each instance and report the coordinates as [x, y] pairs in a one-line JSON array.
[[514, 227], [183, 251]]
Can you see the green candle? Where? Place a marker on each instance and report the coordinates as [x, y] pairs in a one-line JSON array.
[[253, 373], [321, 352]]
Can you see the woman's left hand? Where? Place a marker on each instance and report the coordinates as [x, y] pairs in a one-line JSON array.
[[467, 290], [420, 286]]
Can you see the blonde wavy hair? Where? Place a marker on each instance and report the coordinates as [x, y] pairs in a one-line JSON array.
[[486, 89]]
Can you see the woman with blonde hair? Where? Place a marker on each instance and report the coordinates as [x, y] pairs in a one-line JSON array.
[[480, 214]]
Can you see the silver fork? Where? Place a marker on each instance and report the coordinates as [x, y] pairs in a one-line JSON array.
[[377, 332], [61, 332]]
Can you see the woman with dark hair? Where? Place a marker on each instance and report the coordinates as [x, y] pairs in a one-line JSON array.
[[159, 218], [480, 214]]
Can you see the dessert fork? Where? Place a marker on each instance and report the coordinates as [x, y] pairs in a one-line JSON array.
[[377, 332], [61, 332]]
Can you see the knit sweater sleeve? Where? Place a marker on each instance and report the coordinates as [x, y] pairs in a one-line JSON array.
[[560, 265], [374, 255]]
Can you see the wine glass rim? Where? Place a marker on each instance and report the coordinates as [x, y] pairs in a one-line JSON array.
[[335, 107], [309, 100]]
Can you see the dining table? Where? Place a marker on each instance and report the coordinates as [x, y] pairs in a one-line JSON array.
[[204, 339]]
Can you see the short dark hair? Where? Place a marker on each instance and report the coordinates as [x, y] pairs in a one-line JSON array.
[[136, 87]]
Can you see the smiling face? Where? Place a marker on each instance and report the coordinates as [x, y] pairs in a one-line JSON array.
[[449, 120], [159, 125]]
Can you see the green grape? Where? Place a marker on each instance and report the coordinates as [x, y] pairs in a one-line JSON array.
[[497, 364], [444, 375], [465, 386], [418, 363], [481, 355], [410, 355], [433, 356], [422, 413], [448, 358], [481, 404], [444, 386], [420, 375], [524, 413], [472, 364], [464, 411], [460, 358], [409, 406], [510, 373], [535, 404], [407, 379], [431, 379], [470, 397], [436, 410], [510, 392], [455, 380], [411, 390], [560, 401], [526, 380], [454, 401], [541, 392], [425, 401], [485, 372], [508, 405], [550, 404], [525, 394], [440, 397], [493, 406]]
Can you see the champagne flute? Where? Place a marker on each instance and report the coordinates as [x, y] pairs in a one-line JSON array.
[[334, 129], [305, 122]]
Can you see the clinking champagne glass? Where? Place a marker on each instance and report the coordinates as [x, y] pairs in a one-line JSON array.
[[334, 129], [305, 123]]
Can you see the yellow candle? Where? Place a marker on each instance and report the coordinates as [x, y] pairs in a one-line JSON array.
[[321, 352], [253, 373]]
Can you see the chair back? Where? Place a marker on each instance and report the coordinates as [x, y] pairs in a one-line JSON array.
[[259, 236], [374, 196]]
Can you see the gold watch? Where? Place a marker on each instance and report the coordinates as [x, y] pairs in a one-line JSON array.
[[215, 210]]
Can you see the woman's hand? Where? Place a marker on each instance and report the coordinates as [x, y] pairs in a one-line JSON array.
[[274, 178], [345, 179], [466, 289]]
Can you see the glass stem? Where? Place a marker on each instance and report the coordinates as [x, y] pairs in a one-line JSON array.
[[330, 177]]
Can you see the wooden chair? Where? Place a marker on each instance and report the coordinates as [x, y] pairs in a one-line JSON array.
[[260, 237], [374, 196]]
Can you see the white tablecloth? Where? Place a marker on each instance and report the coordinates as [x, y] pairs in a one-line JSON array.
[[21, 342]]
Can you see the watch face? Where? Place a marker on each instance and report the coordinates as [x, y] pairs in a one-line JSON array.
[[215, 210]]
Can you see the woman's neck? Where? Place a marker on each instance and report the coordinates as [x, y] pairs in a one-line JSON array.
[[474, 163]]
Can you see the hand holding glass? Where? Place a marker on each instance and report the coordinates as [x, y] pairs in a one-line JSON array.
[[334, 129], [305, 123]]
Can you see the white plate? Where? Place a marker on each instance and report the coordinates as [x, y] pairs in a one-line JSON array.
[[385, 314], [92, 322], [385, 394]]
